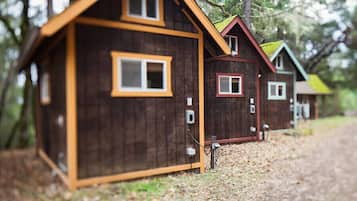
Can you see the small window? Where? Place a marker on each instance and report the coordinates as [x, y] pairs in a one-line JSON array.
[[276, 91], [279, 62], [45, 89], [143, 11], [141, 75], [232, 42], [229, 85]]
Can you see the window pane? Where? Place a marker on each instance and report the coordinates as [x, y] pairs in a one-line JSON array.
[[272, 90], [280, 90], [45, 87], [154, 75], [135, 7], [235, 85], [224, 84], [131, 73], [233, 44], [151, 7]]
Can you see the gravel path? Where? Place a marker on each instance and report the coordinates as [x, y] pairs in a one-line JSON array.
[[325, 170], [322, 166]]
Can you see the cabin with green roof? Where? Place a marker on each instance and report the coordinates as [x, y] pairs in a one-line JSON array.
[[278, 90], [308, 93]]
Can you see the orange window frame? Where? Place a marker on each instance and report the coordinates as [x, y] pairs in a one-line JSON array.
[[117, 92], [125, 16]]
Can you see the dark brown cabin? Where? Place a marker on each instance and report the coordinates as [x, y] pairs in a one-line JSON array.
[[232, 92], [120, 90], [278, 90]]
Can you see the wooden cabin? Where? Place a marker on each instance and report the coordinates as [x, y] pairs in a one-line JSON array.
[[232, 89], [278, 90], [121, 88], [308, 92]]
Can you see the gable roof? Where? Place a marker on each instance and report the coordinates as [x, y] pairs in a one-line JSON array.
[[226, 25], [318, 85], [313, 86], [223, 24], [59, 21], [272, 49]]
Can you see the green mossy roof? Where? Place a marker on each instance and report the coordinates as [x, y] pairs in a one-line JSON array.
[[271, 47], [318, 85], [223, 24]]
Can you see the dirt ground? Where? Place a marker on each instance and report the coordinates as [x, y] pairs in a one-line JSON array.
[[291, 166]]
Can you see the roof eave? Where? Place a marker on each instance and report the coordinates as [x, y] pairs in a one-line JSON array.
[[192, 5]]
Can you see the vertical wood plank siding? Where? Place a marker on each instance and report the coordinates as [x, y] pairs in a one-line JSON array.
[[229, 117], [54, 135], [111, 10], [121, 135], [277, 113]]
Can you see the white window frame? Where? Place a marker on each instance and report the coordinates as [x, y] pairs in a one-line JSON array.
[[144, 87], [143, 11], [45, 86], [279, 62], [230, 43], [230, 85], [276, 97]]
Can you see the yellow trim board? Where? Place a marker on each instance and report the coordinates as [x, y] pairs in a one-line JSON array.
[[69, 14], [52, 165], [134, 27], [126, 17], [208, 25], [71, 107], [116, 91], [136, 174], [201, 101]]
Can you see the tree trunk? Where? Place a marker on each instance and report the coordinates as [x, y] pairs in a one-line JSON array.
[[247, 11], [50, 11], [21, 127]]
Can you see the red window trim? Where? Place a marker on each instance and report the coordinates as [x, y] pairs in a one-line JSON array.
[[229, 95]]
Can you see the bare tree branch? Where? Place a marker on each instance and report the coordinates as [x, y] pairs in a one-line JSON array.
[[6, 22], [221, 7]]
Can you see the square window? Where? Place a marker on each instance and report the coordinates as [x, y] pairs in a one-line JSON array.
[[139, 75], [143, 11], [276, 91], [229, 84]]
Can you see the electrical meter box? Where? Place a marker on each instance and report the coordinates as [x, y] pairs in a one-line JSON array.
[[190, 116]]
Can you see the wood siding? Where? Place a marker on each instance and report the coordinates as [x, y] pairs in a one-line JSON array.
[[229, 117], [119, 135], [53, 135], [277, 113], [111, 10]]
